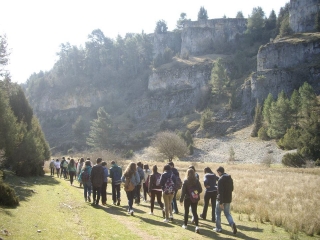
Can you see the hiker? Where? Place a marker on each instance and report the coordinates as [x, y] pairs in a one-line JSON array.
[[57, 165], [115, 175], [174, 200], [52, 167], [84, 177], [72, 170], [79, 167], [154, 189], [97, 178], [197, 177], [67, 170], [224, 198], [63, 166], [131, 179], [167, 182], [104, 184], [210, 184], [146, 172], [190, 195], [138, 187]]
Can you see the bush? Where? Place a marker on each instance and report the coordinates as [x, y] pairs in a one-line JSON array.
[[317, 163], [262, 133], [293, 160], [8, 196], [190, 147]]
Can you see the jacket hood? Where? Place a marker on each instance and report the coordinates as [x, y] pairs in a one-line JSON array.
[[210, 175]]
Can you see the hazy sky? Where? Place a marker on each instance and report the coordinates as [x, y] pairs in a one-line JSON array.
[[36, 28]]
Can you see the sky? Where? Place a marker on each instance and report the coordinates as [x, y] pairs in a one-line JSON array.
[[36, 28]]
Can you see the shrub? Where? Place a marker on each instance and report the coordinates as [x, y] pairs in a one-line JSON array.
[[292, 160], [262, 133], [317, 163], [206, 119], [190, 149], [8, 196]]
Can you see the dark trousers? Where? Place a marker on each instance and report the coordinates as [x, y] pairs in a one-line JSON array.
[[130, 196], [137, 195], [104, 193], [145, 191], [96, 194], [58, 171], [72, 174], [64, 172], [155, 193], [187, 204], [207, 197], [174, 203], [115, 192], [52, 171]]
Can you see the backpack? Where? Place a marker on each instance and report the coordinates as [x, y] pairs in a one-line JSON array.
[[52, 164], [65, 164], [193, 193], [178, 183], [128, 185], [85, 177], [116, 178], [169, 187], [158, 177]]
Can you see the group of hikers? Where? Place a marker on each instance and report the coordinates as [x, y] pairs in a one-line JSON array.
[[165, 185]]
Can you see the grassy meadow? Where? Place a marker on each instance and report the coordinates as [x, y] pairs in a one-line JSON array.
[[268, 203]]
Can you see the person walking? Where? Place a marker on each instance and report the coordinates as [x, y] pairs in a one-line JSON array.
[[167, 183], [115, 175], [63, 166], [224, 198], [57, 165], [131, 179], [210, 184], [79, 167], [52, 167], [97, 178], [154, 189], [146, 172], [104, 184], [72, 170], [190, 195], [84, 177], [174, 200], [138, 187]]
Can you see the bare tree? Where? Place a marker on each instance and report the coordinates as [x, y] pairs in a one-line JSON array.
[[170, 145]]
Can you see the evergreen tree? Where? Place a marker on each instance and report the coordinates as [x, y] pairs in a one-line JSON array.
[[182, 20], [308, 99], [295, 105], [271, 22], [161, 27], [256, 21], [202, 14], [239, 15], [100, 130], [279, 117], [266, 108], [290, 139], [219, 78], [257, 124], [285, 28]]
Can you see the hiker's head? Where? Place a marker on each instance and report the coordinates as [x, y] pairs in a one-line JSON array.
[[207, 170], [113, 162], [220, 170], [171, 164], [192, 167], [155, 169], [146, 166], [81, 159], [99, 160], [139, 164], [88, 163], [132, 167], [166, 168], [104, 163]]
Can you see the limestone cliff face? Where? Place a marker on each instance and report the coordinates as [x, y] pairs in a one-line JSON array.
[[199, 37], [303, 15], [283, 66], [79, 98], [161, 41], [289, 52]]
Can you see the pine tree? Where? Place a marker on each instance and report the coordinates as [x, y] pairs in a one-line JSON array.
[[257, 124], [279, 117], [219, 78], [100, 130], [295, 106], [202, 14], [266, 108], [308, 99]]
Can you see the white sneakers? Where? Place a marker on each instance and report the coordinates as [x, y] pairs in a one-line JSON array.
[[151, 213], [184, 226], [131, 212], [197, 230], [166, 220]]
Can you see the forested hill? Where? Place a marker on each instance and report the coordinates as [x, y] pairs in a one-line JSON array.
[[206, 77]]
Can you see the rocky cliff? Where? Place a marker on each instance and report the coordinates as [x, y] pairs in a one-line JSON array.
[[199, 37], [303, 15]]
